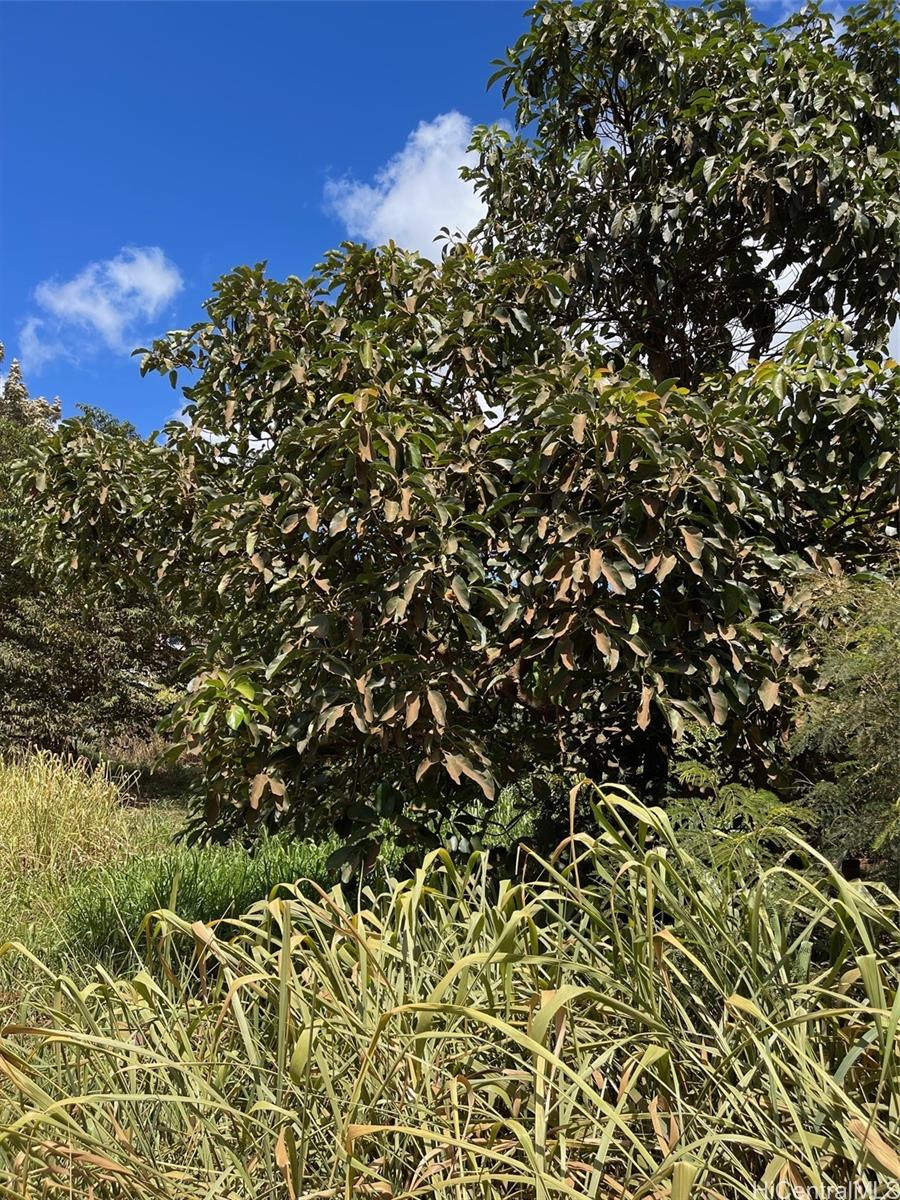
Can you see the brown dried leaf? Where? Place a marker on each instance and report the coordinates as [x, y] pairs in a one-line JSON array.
[[875, 1146], [257, 786], [665, 567], [643, 714]]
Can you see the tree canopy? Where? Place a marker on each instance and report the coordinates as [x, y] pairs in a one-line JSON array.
[[388, 585], [430, 525], [75, 668], [708, 180]]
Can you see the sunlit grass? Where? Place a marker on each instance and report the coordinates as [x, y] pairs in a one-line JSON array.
[[105, 907], [626, 1022], [57, 817]]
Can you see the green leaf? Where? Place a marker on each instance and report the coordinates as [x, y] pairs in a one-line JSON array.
[[235, 716]]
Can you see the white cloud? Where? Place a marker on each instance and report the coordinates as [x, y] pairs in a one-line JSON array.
[[103, 305], [37, 347], [417, 193]]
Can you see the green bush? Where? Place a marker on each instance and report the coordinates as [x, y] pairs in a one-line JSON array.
[[847, 729], [625, 1020]]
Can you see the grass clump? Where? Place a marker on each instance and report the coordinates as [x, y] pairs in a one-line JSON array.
[[624, 1019], [106, 907]]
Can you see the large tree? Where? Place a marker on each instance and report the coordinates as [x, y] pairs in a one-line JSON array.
[[431, 525], [396, 595], [705, 180]]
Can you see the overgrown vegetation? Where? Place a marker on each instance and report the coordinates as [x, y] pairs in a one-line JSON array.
[[54, 820], [848, 727], [628, 1021], [59, 820], [435, 542], [82, 863], [84, 858]]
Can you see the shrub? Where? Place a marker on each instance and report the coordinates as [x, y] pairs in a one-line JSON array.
[[627, 1022], [847, 729], [717, 817]]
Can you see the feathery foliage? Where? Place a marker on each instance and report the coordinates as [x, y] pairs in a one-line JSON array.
[[847, 735]]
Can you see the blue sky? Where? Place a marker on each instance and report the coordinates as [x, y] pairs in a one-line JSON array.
[[149, 147]]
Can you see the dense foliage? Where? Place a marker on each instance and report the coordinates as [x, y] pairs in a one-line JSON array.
[[431, 526], [847, 733], [389, 588], [74, 666], [704, 179], [626, 1022]]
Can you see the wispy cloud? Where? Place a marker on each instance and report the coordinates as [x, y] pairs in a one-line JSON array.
[[104, 305], [416, 193], [38, 346]]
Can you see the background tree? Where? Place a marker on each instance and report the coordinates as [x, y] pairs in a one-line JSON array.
[[394, 598], [19, 409], [704, 180], [75, 668]]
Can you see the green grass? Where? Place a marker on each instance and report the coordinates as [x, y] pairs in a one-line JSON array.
[[64, 822], [623, 1020], [87, 850], [104, 917], [83, 859]]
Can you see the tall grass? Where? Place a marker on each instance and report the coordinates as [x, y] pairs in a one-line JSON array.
[[57, 817], [618, 1021]]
